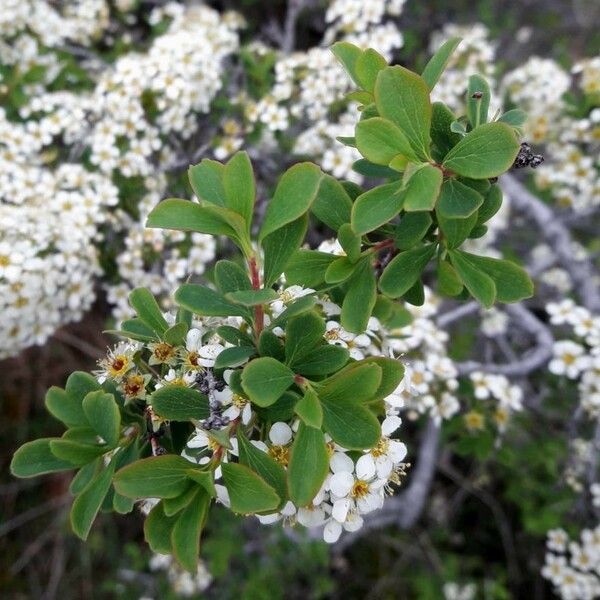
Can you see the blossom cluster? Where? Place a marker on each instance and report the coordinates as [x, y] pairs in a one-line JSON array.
[[578, 359], [570, 134], [573, 567], [78, 167]]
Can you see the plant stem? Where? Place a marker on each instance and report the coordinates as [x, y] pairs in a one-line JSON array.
[[259, 315]]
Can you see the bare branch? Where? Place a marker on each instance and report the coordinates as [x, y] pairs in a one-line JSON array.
[[531, 361], [559, 239]]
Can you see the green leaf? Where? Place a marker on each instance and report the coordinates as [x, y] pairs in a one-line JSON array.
[[514, 117], [309, 410], [350, 424], [80, 384], [480, 285], [339, 270], [248, 492], [360, 299], [252, 297], [403, 98], [88, 502], [185, 535], [179, 403], [302, 334], [234, 357], [512, 282], [307, 268], [379, 141], [328, 359], [376, 207], [65, 407], [416, 294], [441, 135], [485, 152], [147, 309], [35, 458], [175, 335], [184, 215], [404, 270], [392, 372], [239, 186], [348, 55], [231, 277], [206, 180], [412, 229], [299, 306], [449, 283], [205, 478], [234, 336], [422, 189], [456, 231], [358, 382], [295, 192], [157, 530], [280, 246], [478, 100], [135, 329], [458, 201], [491, 204], [369, 169], [309, 465], [332, 205], [260, 462], [103, 415], [438, 62], [206, 302], [154, 477], [270, 345], [367, 67], [77, 453], [83, 477], [350, 242], [265, 379]]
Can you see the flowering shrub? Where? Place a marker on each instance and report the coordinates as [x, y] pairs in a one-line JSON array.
[[283, 401]]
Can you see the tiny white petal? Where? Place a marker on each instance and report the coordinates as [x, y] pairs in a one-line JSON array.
[[390, 424], [365, 467], [280, 434], [340, 509], [341, 483], [341, 462], [332, 532]]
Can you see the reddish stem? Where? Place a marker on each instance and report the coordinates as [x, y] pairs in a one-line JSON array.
[[259, 315], [384, 244]]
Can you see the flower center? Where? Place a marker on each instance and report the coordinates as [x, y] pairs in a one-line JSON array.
[[134, 385], [382, 447], [118, 365], [280, 454], [360, 489], [163, 351], [238, 401]]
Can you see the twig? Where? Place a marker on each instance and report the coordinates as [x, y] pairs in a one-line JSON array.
[[294, 8], [531, 361], [559, 239]]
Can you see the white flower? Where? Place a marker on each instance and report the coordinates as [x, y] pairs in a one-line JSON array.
[[569, 359], [360, 491]]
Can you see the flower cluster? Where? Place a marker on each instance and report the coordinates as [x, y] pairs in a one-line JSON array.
[[56, 210], [578, 360], [570, 132], [355, 485], [575, 574]]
